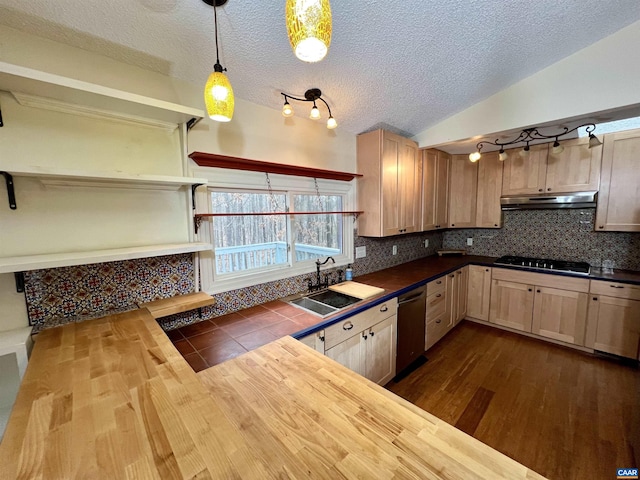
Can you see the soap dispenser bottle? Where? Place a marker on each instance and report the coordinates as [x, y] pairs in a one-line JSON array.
[[349, 273]]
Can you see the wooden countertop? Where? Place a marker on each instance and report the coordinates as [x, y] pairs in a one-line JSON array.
[[112, 398]]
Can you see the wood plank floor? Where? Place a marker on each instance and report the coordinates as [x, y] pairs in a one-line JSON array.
[[563, 413]]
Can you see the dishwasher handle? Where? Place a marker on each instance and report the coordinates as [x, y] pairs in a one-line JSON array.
[[412, 298]]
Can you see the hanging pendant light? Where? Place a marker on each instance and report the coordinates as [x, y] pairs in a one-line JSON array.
[[309, 28], [218, 94]]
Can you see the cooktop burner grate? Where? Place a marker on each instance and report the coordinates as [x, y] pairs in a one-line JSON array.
[[581, 268]]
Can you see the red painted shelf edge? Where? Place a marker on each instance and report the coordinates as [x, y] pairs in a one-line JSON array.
[[237, 163]]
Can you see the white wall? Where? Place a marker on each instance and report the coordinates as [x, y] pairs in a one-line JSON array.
[[602, 77]]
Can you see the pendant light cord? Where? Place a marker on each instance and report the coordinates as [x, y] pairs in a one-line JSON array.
[[217, 67]]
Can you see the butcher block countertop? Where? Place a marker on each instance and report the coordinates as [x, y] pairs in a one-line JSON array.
[[112, 398]]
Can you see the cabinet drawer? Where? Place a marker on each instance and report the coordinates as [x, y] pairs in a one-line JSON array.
[[614, 289], [548, 280], [436, 286], [341, 331], [436, 304], [436, 329]]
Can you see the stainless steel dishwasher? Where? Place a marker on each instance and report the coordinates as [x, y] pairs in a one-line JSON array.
[[412, 309]]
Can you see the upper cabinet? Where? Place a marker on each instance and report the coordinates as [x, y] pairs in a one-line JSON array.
[[488, 211], [619, 198], [575, 169], [435, 189], [463, 184], [389, 190]]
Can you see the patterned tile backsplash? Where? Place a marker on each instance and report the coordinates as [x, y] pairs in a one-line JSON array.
[[63, 295], [556, 234]]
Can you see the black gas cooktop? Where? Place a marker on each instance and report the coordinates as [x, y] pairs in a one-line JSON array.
[[580, 268]]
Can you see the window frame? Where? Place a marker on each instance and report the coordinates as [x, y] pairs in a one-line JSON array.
[[225, 179]]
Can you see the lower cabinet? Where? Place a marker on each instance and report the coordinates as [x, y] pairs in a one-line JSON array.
[[614, 319], [479, 292], [551, 306], [446, 304], [364, 343]]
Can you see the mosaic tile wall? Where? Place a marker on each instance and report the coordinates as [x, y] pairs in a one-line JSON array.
[[63, 295], [557, 234]]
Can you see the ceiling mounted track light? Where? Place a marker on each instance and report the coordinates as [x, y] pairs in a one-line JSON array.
[[529, 135], [218, 94], [309, 28], [311, 95]]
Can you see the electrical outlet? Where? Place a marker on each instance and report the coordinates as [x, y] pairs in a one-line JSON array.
[[361, 252], [469, 241], [426, 243], [395, 250]]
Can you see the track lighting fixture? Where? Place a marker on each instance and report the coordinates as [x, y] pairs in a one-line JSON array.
[[530, 134], [309, 28], [311, 95], [218, 94]]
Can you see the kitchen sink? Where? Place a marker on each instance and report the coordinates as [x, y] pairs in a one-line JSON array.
[[324, 303]]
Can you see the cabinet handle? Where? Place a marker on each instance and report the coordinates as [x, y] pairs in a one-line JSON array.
[[539, 189], [364, 335], [595, 299], [616, 286], [439, 295], [459, 273], [439, 282], [486, 269], [601, 226], [371, 332], [439, 320], [453, 224], [495, 224], [384, 308], [451, 276], [548, 189], [537, 291], [347, 326], [321, 337], [531, 289]]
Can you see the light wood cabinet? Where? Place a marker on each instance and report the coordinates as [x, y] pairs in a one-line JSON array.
[[551, 306], [479, 292], [560, 314], [488, 211], [463, 184], [366, 343], [619, 197], [575, 169], [613, 324], [389, 190], [315, 341], [435, 188], [446, 304]]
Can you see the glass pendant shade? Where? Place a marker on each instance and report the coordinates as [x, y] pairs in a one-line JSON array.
[[315, 113], [331, 123], [593, 141], [309, 28], [475, 156], [287, 110], [218, 97], [502, 156], [557, 149]]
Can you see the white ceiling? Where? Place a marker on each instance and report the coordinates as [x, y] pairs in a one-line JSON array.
[[401, 64]]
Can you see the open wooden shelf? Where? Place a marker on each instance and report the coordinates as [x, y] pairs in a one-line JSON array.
[[68, 259], [261, 214], [237, 163], [115, 179], [98, 99]]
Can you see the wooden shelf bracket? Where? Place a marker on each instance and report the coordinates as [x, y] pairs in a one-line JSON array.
[[10, 189]]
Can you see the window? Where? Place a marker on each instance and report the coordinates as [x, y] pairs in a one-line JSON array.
[[260, 244]]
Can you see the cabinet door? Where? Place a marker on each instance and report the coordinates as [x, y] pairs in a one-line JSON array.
[[463, 184], [410, 182], [614, 326], [380, 351], [560, 314], [392, 148], [525, 174], [349, 353], [479, 292], [315, 341], [511, 304], [619, 195], [442, 189], [575, 169], [462, 285], [429, 189], [488, 211]]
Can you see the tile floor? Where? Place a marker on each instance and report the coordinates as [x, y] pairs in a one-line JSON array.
[[210, 342]]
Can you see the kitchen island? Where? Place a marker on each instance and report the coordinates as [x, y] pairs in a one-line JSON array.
[[112, 398]]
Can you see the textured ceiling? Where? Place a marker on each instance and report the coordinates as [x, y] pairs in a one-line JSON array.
[[401, 64]]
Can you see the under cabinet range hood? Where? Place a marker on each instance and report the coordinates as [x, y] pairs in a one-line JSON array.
[[558, 200]]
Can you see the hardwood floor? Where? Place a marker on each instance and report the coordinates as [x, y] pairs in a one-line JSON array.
[[563, 413]]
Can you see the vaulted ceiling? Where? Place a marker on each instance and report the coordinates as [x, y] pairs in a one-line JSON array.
[[400, 64]]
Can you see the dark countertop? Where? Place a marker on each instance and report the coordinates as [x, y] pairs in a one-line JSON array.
[[403, 278]]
